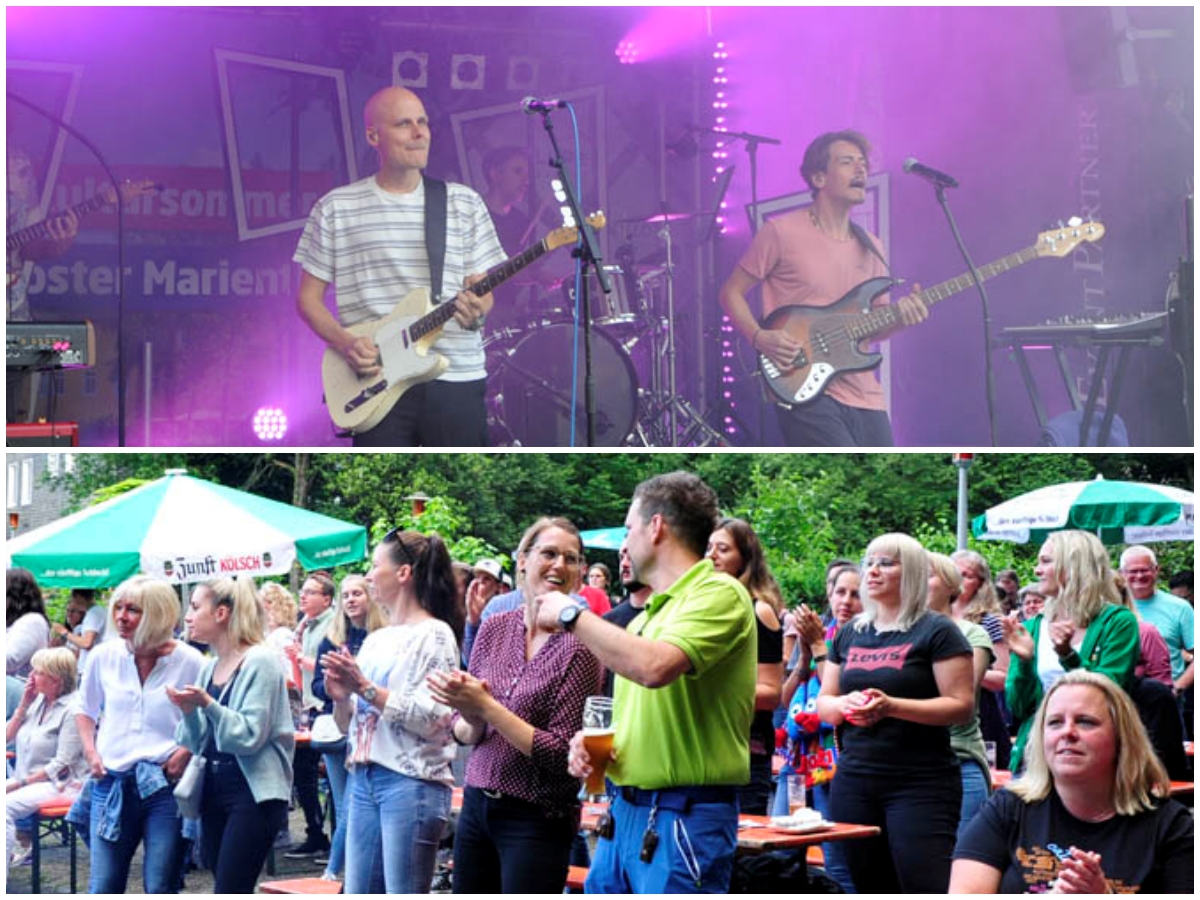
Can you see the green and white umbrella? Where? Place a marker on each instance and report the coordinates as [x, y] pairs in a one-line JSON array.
[[1120, 512], [603, 538], [185, 530]]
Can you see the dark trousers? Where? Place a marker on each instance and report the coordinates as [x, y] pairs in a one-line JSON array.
[[236, 833], [308, 795], [510, 846], [754, 797], [825, 422], [434, 414], [919, 817]]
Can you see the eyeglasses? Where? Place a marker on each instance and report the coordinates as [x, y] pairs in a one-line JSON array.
[[548, 555], [881, 562]]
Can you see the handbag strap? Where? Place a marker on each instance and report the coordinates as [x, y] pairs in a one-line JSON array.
[[435, 234]]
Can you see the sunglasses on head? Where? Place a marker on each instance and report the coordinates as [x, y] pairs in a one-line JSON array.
[[394, 536]]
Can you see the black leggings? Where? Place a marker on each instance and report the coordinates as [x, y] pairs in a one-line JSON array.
[[510, 846], [237, 833], [919, 817]]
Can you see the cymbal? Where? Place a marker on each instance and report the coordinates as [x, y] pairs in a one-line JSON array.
[[665, 217]]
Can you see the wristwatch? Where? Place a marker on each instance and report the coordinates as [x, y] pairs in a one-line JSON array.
[[369, 693], [569, 616]]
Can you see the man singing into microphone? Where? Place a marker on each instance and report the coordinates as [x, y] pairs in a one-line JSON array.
[[369, 239], [813, 257]]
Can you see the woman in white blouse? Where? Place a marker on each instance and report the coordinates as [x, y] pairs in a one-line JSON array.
[[49, 761], [133, 757], [26, 628], [400, 747]]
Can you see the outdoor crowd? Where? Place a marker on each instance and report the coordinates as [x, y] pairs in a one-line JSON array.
[[891, 704]]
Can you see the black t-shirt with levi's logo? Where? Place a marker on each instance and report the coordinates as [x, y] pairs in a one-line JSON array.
[[899, 663]]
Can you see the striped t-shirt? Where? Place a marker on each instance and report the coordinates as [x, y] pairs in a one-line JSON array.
[[370, 244]]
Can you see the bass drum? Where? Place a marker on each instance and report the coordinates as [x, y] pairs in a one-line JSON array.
[[531, 382]]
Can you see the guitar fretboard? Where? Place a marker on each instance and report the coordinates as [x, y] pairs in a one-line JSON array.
[[885, 317], [39, 230], [495, 277]]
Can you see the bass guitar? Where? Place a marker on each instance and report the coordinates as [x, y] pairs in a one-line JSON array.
[[21, 238], [405, 338], [832, 337]]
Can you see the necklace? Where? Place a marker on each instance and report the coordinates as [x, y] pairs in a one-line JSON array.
[[820, 226]]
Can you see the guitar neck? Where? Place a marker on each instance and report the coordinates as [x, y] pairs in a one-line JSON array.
[[39, 230], [885, 317], [495, 277]]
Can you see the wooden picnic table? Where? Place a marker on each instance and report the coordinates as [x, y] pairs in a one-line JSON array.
[[755, 835]]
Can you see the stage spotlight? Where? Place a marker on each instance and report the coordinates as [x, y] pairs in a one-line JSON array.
[[522, 73], [270, 424], [627, 53], [467, 72], [410, 69]]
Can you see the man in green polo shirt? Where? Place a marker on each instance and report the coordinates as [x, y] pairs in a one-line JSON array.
[[683, 700]]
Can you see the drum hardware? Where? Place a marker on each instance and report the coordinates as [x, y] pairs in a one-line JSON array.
[[667, 419]]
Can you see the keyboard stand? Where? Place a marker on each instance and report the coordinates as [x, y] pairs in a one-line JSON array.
[[1019, 344]]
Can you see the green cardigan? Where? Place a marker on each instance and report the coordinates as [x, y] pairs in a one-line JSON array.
[[1111, 646], [255, 726]]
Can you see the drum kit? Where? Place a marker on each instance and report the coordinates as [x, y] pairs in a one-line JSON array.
[[533, 373]]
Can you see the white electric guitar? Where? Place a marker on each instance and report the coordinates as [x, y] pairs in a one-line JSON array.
[[405, 338]]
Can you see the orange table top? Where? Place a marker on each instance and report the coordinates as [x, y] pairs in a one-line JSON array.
[[1000, 778], [755, 835]]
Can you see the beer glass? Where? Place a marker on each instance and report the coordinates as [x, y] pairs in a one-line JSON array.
[[597, 739]]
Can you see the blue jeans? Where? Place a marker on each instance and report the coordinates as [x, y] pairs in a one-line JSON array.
[[335, 771], [694, 856], [153, 822], [394, 828], [976, 788]]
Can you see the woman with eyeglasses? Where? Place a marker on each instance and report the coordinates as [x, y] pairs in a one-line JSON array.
[[897, 677], [519, 706], [237, 717], [399, 743]]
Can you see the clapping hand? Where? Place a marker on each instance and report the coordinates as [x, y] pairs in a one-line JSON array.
[[1061, 633], [808, 623], [1081, 873], [343, 677], [1018, 638], [874, 706], [461, 691]]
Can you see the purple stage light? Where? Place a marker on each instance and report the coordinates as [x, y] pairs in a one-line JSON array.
[[270, 424]]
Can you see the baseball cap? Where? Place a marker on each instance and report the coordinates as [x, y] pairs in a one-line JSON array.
[[491, 567]]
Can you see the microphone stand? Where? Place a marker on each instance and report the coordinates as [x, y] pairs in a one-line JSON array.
[[989, 373], [120, 251], [588, 253]]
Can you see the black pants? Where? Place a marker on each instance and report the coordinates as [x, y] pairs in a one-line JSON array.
[[754, 797], [825, 422], [237, 833], [919, 817], [510, 846], [308, 795], [434, 414]]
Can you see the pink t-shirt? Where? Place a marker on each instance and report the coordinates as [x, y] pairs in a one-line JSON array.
[[800, 265]]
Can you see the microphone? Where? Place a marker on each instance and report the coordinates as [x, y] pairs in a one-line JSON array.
[[531, 105], [941, 179]]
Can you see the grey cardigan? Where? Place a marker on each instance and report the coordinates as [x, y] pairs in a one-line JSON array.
[[255, 725]]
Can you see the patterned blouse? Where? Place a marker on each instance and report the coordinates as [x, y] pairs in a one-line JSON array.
[[412, 734], [547, 692]]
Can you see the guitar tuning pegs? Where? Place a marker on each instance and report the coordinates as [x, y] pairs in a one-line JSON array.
[[1061, 224], [1075, 221]]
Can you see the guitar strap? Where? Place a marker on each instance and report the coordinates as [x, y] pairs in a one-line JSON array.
[[863, 238], [435, 234]]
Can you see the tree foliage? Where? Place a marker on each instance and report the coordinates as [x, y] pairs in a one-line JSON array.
[[807, 508]]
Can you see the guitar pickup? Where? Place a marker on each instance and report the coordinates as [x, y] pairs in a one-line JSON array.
[[363, 396]]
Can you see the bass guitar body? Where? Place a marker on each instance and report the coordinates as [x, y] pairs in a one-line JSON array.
[[830, 339], [358, 404]]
